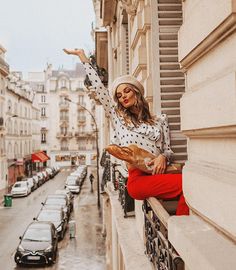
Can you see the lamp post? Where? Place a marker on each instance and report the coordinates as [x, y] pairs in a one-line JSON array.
[[97, 149]]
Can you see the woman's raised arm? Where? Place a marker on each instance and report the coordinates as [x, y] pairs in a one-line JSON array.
[[101, 90], [78, 52]]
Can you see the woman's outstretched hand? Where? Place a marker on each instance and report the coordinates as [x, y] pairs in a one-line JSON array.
[[159, 164], [78, 52]]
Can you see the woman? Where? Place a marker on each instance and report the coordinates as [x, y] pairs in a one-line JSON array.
[[133, 124]]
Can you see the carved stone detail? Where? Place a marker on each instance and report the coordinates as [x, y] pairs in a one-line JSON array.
[[129, 7]]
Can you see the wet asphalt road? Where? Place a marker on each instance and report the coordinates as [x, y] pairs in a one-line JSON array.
[[85, 252]]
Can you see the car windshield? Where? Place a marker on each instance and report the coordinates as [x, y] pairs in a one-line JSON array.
[[38, 235], [23, 184], [49, 216], [71, 182], [56, 201]]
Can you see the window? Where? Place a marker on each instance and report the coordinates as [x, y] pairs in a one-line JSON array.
[[81, 99], [43, 111], [43, 137], [43, 98], [9, 106]]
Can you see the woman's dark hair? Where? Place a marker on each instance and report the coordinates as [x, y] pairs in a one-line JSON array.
[[143, 116]]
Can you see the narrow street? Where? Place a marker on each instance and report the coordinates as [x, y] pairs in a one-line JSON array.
[[85, 251]]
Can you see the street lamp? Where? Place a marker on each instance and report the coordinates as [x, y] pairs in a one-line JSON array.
[[97, 149]]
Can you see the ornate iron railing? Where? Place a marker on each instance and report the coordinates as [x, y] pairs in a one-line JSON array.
[[120, 182], [158, 249], [106, 164]]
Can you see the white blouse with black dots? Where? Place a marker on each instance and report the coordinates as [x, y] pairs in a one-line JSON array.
[[153, 138]]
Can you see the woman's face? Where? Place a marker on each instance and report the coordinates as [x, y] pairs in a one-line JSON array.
[[126, 95]]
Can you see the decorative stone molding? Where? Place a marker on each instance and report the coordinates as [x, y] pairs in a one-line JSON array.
[[216, 37], [129, 7]]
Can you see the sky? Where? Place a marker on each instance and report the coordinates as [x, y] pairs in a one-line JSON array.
[[34, 32]]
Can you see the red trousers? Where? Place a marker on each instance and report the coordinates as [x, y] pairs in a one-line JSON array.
[[141, 186]]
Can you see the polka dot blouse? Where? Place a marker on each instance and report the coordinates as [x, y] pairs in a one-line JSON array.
[[153, 138]]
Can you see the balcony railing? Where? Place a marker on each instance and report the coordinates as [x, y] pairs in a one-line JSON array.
[[63, 106], [158, 248], [81, 105], [64, 118], [64, 123], [81, 118], [84, 134], [63, 135]]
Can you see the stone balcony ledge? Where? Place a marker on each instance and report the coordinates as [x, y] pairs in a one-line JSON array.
[[200, 245], [131, 244]]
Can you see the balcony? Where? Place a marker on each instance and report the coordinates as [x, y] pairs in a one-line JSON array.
[[85, 134], [81, 119], [64, 135], [156, 214], [81, 105], [63, 106], [64, 123], [64, 118]]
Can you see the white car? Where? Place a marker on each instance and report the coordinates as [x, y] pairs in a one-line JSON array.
[[72, 185], [20, 188]]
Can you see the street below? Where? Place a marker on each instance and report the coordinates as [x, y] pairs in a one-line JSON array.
[[85, 251]]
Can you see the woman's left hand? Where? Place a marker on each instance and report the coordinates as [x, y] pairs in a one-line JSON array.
[[159, 165]]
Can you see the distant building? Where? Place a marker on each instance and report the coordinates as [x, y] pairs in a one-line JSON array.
[[4, 71], [66, 129], [18, 110]]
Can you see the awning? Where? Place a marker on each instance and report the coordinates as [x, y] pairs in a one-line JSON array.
[[39, 157]]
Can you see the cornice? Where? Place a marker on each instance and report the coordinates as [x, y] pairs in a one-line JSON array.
[[216, 132], [224, 30]]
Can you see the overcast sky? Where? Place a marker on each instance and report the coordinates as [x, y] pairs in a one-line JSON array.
[[34, 32]]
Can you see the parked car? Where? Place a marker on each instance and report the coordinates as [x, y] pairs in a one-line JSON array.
[[56, 217], [36, 179], [73, 185], [45, 175], [61, 196], [20, 188], [41, 178], [32, 183], [50, 173], [38, 245], [69, 195], [60, 202]]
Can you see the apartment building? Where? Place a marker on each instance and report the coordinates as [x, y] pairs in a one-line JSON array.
[[67, 129], [4, 71], [183, 53]]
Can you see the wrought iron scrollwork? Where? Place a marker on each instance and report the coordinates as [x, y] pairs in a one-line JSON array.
[[120, 182], [158, 249], [106, 164]]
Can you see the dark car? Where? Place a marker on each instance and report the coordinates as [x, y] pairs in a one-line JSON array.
[[56, 217], [38, 245]]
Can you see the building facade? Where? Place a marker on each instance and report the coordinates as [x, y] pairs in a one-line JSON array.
[[185, 60], [18, 111], [67, 130], [4, 71]]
